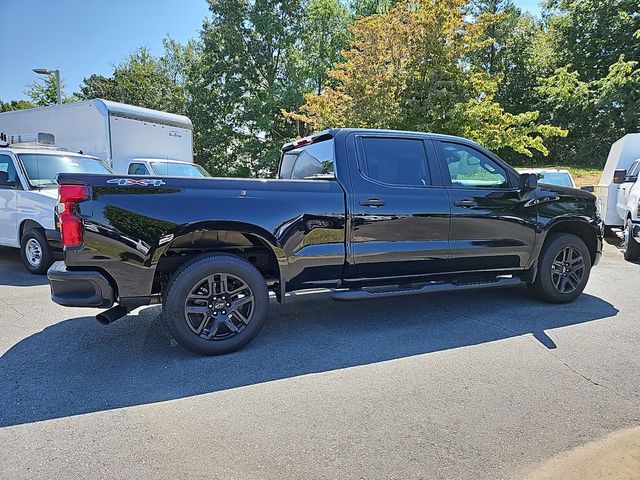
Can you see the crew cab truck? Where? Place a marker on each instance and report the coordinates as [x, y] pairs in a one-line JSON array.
[[29, 164], [367, 213]]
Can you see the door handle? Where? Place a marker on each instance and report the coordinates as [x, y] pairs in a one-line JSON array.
[[465, 203], [372, 202]]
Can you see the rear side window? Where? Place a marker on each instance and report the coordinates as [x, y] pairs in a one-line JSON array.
[[395, 161], [311, 162]]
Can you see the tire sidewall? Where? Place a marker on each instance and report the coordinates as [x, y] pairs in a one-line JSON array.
[[631, 249], [47, 255], [186, 278], [543, 284]]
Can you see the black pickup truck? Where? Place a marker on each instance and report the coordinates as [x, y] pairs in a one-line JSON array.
[[367, 213]]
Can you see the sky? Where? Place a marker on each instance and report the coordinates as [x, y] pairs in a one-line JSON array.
[[82, 37]]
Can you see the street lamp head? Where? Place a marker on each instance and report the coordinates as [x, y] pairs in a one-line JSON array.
[[43, 71]]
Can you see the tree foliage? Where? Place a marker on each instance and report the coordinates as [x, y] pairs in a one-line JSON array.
[[558, 88], [147, 81], [411, 68]]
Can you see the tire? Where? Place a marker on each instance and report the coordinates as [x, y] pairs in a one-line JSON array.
[[556, 282], [206, 287], [630, 247], [35, 252]]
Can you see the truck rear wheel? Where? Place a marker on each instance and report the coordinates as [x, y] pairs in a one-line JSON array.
[[563, 269], [35, 252], [216, 304], [630, 247]]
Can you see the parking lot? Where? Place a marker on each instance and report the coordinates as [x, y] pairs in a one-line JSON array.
[[486, 384]]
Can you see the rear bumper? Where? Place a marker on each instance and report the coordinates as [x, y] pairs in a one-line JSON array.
[[73, 288]]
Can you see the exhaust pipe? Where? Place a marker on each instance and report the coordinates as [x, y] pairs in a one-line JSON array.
[[113, 314]]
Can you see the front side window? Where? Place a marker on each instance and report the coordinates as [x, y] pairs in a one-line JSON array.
[[395, 161], [138, 169], [311, 162], [8, 175], [469, 168], [633, 171], [41, 169]]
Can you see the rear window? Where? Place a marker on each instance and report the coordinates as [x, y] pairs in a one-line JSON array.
[[395, 161], [311, 162]]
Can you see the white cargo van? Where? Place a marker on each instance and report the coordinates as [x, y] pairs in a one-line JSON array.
[[28, 194], [133, 140]]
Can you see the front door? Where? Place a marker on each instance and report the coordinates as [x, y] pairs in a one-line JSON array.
[[398, 207], [8, 197], [491, 225]]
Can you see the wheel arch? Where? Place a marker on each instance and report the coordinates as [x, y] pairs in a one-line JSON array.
[[247, 241], [28, 224], [580, 228]]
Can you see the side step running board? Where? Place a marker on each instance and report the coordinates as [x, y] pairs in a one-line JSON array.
[[432, 287]]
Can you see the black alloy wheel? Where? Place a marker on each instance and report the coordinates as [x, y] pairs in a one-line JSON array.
[[567, 270], [219, 307], [215, 304]]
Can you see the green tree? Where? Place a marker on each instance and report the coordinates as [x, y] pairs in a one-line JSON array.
[[592, 35], [246, 77], [145, 80], [15, 105], [409, 69], [324, 35], [43, 92], [364, 8]]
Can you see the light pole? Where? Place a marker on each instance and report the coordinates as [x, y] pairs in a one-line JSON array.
[[46, 71]]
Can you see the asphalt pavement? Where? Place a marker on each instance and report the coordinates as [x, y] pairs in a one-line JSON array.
[[475, 385]]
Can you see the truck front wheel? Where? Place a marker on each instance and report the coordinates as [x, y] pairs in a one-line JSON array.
[[35, 252], [563, 269], [216, 304], [630, 247]]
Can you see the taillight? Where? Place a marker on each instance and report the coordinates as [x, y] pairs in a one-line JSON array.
[[70, 223]]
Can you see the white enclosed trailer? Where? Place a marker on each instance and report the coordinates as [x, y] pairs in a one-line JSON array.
[[622, 154], [120, 134]]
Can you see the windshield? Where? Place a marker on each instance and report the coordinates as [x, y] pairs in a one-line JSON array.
[[555, 178], [41, 169], [178, 169]]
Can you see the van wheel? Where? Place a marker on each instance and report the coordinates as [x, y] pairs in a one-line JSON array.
[[563, 269], [216, 304], [35, 252], [630, 247]]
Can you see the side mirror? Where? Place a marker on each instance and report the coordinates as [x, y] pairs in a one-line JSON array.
[[528, 181], [588, 188], [618, 176]]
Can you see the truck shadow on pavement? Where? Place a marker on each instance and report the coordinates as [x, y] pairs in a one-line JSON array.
[[13, 272], [78, 366]]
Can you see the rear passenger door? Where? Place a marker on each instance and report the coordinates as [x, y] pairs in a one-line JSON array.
[[491, 225], [399, 212]]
